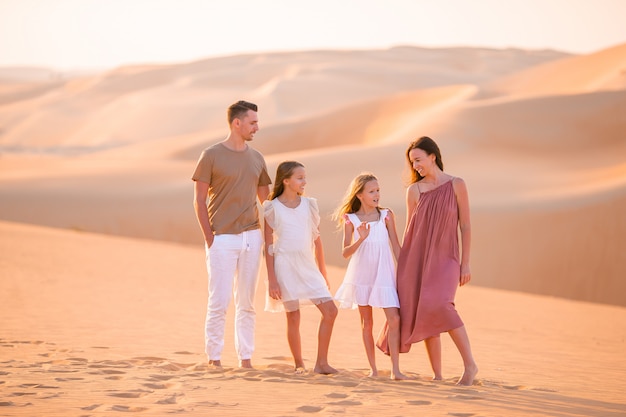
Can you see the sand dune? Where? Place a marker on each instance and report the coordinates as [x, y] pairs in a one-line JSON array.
[[144, 127], [603, 70]]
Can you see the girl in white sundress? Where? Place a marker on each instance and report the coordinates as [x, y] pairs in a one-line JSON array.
[[370, 280], [294, 256]]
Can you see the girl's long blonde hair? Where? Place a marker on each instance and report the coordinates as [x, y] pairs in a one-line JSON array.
[[351, 203]]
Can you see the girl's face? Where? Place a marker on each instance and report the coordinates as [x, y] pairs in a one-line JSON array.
[[297, 181], [421, 161], [370, 195]]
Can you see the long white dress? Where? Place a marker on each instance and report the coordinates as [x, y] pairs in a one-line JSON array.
[[370, 278], [295, 231]]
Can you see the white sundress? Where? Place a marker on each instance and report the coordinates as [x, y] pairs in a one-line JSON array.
[[370, 278], [295, 231]]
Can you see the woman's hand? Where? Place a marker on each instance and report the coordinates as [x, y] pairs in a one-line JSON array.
[[466, 275]]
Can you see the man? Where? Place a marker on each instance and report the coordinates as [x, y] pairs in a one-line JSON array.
[[231, 175]]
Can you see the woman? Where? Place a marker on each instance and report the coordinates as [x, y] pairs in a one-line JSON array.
[[429, 266]]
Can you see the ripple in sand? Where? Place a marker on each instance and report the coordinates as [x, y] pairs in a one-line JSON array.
[[91, 407]]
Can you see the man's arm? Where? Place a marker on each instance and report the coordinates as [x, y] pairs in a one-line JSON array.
[[201, 193]]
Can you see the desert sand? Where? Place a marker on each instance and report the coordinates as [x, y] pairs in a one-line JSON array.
[[102, 275]]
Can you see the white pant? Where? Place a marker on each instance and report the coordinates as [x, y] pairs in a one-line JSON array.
[[233, 263]]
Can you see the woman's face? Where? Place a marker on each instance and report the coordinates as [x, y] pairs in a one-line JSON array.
[[421, 161]]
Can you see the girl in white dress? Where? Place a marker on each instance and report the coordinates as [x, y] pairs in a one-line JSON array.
[[294, 256], [370, 280]]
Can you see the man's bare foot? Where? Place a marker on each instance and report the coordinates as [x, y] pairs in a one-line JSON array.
[[373, 373], [245, 363], [399, 376], [468, 376], [216, 363], [325, 369]]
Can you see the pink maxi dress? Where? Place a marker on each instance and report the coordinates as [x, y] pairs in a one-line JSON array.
[[428, 270]]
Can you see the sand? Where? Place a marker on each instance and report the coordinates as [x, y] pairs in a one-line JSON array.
[[102, 275]]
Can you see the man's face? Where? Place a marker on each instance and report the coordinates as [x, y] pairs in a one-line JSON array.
[[249, 125]]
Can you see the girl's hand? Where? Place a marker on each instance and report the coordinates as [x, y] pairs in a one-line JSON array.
[[466, 275], [274, 290], [364, 230]]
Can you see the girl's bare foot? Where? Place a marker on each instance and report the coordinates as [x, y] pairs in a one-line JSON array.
[[373, 373], [438, 378], [399, 376], [325, 369], [300, 370], [468, 376]]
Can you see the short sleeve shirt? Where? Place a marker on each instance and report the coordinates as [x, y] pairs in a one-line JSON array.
[[233, 178]]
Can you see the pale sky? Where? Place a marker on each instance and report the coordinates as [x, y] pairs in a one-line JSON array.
[[98, 34]]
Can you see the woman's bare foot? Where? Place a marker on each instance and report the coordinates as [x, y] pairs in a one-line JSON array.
[[245, 363], [468, 376], [325, 369], [438, 378], [373, 373]]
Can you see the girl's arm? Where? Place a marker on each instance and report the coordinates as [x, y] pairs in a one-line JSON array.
[[349, 247], [462, 199], [390, 222], [273, 287], [319, 256]]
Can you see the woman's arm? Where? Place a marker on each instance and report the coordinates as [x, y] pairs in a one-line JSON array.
[[412, 198], [462, 198]]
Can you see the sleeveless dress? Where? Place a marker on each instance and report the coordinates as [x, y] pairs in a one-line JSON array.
[[428, 269], [370, 278], [295, 231]]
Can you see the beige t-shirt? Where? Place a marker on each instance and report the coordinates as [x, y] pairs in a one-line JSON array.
[[233, 178]]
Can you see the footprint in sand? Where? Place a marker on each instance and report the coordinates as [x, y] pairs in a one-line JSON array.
[[337, 395], [418, 402], [162, 377], [131, 394], [91, 407], [172, 399], [461, 414], [128, 409], [152, 385], [309, 409], [346, 402]]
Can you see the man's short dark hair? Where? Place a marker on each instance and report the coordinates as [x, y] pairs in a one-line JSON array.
[[238, 109]]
